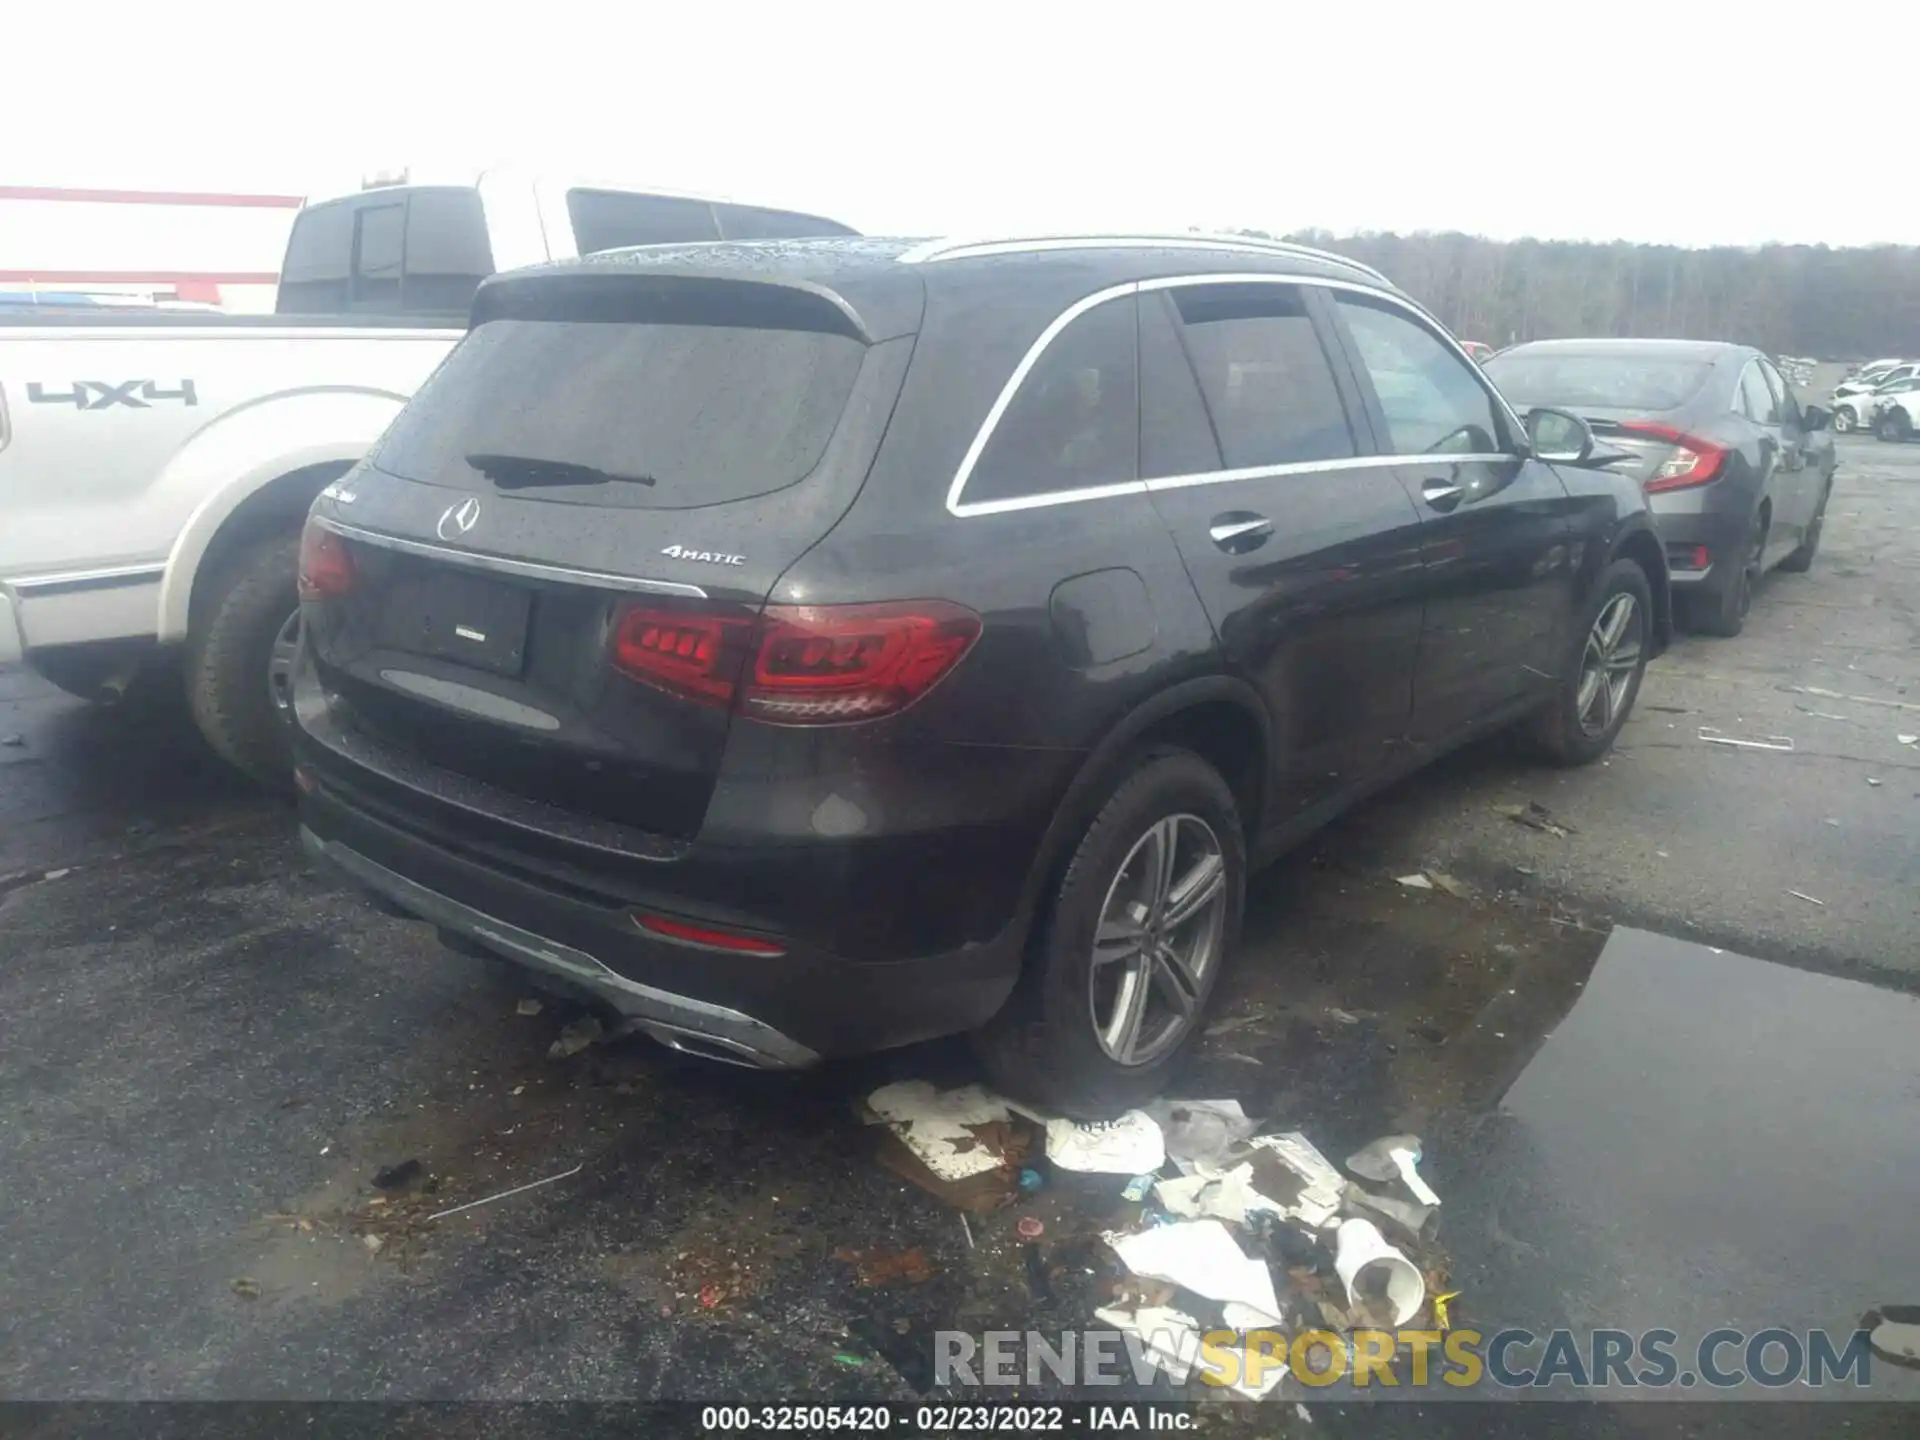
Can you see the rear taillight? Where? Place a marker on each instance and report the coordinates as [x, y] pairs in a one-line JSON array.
[[708, 938], [326, 569], [803, 664], [686, 653], [1694, 461]]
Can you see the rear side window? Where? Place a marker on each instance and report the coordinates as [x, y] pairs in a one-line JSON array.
[[615, 219], [1783, 397], [313, 278], [1432, 398], [749, 222], [644, 416], [1571, 380], [1756, 400], [447, 251], [379, 242], [1075, 420], [417, 252], [1266, 378]]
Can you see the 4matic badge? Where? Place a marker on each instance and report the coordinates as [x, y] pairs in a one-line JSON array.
[[705, 557]]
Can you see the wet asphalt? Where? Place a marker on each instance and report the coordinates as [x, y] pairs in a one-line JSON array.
[[206, 1052]]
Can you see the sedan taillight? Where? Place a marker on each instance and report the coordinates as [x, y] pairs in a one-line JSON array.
[[1694, 461]]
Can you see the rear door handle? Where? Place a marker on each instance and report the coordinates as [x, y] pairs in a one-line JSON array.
[[1239, 531], [1441, 494]]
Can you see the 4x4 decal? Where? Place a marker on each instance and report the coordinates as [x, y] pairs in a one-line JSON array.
[[133, 393]]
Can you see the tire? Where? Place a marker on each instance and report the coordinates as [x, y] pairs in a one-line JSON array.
[[1844, 420], [1801, 560], [247, 618], [1578, 726], [1894, 427], [1723, 612], [1046, 1046]]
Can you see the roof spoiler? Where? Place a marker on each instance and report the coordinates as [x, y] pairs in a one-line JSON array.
[[679, 296]]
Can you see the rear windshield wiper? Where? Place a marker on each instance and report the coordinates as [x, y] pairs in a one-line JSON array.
[[514, 472]]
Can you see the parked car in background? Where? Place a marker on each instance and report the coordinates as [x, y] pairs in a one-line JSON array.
[[1738, 474], [1851, 404], [1477, 351], [1872, 369], [1873, 405], [1896, 411], [816, 648], [156, 466]]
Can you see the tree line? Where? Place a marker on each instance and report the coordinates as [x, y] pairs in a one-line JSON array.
[[1805, 300]]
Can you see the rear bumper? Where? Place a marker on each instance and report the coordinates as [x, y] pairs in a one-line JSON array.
[[906, 931], [1720, 532], [677, 1020]]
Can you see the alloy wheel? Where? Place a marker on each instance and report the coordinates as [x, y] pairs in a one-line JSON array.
[[1842, 420], [280, 666], [1608, 664], [1158, 941]]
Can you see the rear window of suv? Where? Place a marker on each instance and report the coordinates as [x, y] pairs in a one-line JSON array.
[[640, 415]]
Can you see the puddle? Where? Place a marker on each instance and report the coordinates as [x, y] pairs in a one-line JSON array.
[[1706, 1140]]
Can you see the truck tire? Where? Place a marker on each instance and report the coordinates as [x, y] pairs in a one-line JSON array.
[[249, 602]]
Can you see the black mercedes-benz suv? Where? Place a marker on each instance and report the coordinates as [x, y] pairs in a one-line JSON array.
[[807, 647]]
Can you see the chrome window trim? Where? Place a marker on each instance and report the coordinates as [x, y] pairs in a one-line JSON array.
[[962, 509], [955, 248], [520, 569]]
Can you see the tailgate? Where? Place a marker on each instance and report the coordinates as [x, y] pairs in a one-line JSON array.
[[556, 557]]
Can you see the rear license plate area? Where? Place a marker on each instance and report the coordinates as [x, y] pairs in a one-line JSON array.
[[469, 619]]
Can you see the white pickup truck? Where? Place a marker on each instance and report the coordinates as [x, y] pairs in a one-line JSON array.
[[155, 469]]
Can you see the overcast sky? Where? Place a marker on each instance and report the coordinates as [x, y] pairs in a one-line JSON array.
[[1683, 122]]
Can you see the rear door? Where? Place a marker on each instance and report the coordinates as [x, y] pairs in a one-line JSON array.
[[559, 549], [1777, 459], [1799, 450], [1497, 533], [1304, 551]]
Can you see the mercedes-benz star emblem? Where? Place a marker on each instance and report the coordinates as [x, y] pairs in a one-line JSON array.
[[458, 519]]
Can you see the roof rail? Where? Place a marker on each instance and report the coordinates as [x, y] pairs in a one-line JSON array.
[[957, 249]]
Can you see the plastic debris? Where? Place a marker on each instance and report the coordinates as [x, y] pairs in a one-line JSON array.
[[1765, 742], [1403, 1215], [246, 1287], [52, 876], [528, 1006], [1127, 1146], [1441, 1320], [1137, 1188], [1456, 888], [1370, 1269], [1416, 881], [1342, 1017], [13, 742], [502, 1195], [1798, 895], [1294, 1180], [1030, 1180], [1171, 1337], [1201, 1130], [1200, 1255], [1223, 1196], [966, 1229], [1908, 739], [1893, 1333], [576, 1037], [1030, 1227], [62, 874], [841, 1357], [1390, 1157], [373, 1243]]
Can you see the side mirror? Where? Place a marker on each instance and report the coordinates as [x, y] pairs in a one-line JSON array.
[[1814, 417], [1560, 437]]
